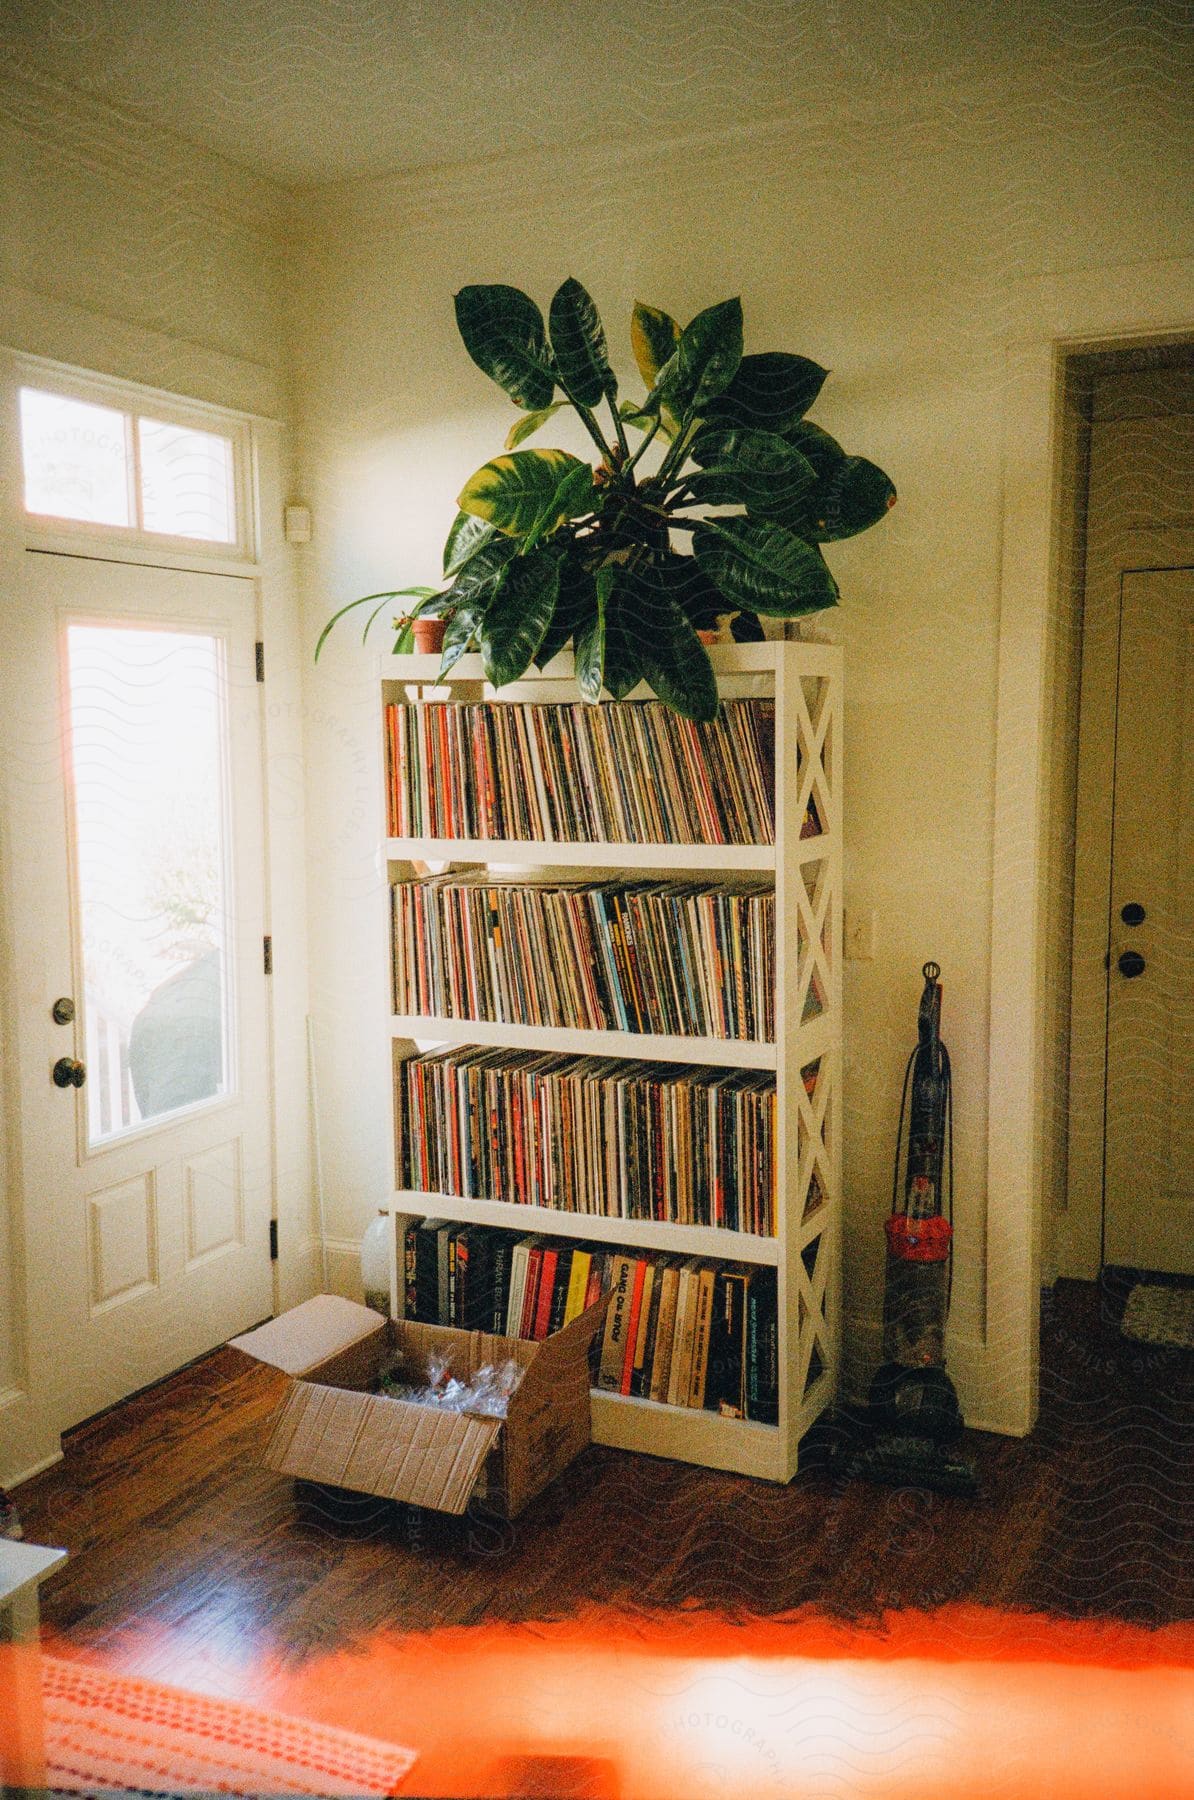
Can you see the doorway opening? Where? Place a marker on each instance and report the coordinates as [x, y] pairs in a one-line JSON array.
[[1117, 1121]]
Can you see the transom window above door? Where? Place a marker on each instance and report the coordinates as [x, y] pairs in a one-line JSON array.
[[118, 468]]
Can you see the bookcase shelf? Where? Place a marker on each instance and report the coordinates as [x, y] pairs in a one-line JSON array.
[[730, 1053], [518, 852], [644, 1234], [804, 680]]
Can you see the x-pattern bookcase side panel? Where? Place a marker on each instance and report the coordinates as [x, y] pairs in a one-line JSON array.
[[812, 1289], [812, 906], [812, 1113], [815, 761]]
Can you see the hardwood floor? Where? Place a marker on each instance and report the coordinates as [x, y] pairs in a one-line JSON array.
[[169, 1522]]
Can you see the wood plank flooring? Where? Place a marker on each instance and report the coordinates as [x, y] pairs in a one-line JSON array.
[[169, 1522]]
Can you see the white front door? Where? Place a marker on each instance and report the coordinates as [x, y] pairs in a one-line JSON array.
[[139, 919], [1149, 1169]]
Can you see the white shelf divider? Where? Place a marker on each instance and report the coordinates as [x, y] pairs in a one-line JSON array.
[[645, 1234], [517, 853], [731, 1053]]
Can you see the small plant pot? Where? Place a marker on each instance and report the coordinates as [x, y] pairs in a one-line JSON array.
[[710, 635], [428, 636]]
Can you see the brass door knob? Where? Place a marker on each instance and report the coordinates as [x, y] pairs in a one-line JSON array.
[[69, 1073]]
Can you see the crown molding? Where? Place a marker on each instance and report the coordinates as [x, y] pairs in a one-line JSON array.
[[109, 140]]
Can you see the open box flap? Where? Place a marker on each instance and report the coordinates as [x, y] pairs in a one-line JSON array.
[[299, 1340], [376, 1445], [562, 1357]]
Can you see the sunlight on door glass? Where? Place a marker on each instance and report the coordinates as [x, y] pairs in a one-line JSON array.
[[148, 758], [76, 459], [186, 482]]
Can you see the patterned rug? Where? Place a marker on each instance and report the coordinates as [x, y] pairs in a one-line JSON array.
[[106, 1733], [1158, 1314]]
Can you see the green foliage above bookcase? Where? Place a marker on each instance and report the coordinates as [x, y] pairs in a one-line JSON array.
[[624, 559]]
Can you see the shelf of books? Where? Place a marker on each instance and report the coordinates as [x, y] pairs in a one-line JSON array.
[[615, 953]]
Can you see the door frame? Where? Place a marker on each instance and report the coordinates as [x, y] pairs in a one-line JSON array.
[[1080, 1244], [1060, 317], [29, 1439]]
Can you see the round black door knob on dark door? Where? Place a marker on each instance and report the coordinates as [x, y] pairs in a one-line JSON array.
[[69, 1073], [1131, 963]]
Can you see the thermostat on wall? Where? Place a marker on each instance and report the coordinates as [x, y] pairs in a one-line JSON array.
[[298, 524]]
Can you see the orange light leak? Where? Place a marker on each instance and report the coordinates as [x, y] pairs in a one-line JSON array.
[[960, 1702]]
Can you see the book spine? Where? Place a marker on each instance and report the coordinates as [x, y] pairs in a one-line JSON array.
[[614, 1343], [644, 1350], [700, 1346], [501, 1279], [530, 1303], [410, 1285], [665, 1329], [632, 1319], [578, 1281], [762, 1350]]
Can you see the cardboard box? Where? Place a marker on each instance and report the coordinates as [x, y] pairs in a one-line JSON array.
[[332, 1427]]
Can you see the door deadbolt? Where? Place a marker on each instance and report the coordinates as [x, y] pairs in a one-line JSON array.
[[63, 1010], [69, 1073], [1131, 964], [1133, 913]]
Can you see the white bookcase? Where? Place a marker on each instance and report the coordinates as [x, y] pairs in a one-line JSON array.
[[805, 682]]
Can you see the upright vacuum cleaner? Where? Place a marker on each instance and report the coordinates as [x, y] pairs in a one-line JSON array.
[[913, 1413]]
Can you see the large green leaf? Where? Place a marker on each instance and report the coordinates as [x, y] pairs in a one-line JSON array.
[[653, 338], [706, 359], [701, 603], [467, 535], [764, 568], [590, 657], [622, 671], [850, 493], [579, 346], [575, 605], [483, 570], [515, 491], [458, 635], [755, 469], [669, 655], [530, 423], [590, 640], [769, 392], [504, 334], [517, 618], [572, 499]]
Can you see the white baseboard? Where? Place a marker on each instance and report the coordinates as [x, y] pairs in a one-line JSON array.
[[299, 1273], [47, 1462], [344, 1267]]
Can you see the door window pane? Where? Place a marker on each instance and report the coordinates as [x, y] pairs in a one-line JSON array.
[[186, 482], [76, 459], [148, 758]]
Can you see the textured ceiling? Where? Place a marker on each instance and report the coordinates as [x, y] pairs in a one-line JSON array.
[[306, 91]]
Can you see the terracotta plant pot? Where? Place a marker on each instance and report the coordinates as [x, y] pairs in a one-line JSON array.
[[428, 636], [710, 635]]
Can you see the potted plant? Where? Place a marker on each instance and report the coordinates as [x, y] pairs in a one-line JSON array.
[[721, 508]]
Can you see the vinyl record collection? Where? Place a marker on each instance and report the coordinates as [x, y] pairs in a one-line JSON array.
[[622, 1140], [633, 773], [678, 1330], [674, 957]]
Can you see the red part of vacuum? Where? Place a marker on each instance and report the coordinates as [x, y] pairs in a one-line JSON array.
[[918, 1240]]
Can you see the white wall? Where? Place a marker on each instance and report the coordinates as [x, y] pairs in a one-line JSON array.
[[126, 251], [893, 245]]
